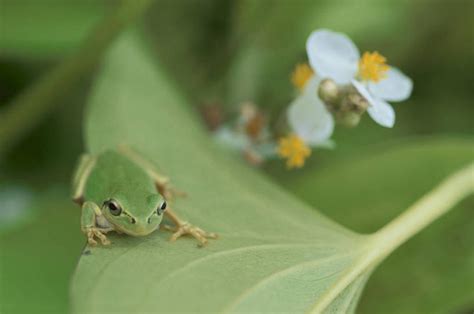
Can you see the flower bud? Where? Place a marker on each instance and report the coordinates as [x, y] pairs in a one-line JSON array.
[[357, 102], [348, 119], [328, 91], [351, 107]]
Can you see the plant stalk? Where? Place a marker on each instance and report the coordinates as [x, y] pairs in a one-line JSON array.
[[24, 112], [426, 210]]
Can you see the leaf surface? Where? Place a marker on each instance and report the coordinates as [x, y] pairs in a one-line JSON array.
[[270, 243], [382, 192], [275, 253]]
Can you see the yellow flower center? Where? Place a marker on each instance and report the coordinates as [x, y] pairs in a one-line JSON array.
[[372, 66], [301, 74], [294, 150]]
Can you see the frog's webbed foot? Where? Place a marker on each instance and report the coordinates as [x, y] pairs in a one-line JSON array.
[[185, 228], [93, 233]]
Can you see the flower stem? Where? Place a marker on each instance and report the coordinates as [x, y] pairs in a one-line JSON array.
[[380, 244], [27, 109], [426, 210]]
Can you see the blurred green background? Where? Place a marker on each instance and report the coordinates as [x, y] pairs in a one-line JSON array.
[[225, 52]]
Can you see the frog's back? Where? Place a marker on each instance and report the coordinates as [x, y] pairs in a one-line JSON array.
[[115, 173]]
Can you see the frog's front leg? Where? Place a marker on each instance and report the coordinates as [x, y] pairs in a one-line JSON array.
[[90, 212], [185, 228]]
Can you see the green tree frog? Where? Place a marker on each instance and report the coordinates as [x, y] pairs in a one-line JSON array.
[[120, 191]]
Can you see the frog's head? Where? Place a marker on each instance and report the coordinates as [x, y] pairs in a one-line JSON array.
[[139, 220]]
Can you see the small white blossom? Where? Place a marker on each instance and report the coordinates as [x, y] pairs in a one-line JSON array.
[[249, 135], [333, 55], [308, 116], [230, 138]]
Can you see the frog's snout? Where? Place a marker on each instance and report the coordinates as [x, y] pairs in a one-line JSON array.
[[140, 227]]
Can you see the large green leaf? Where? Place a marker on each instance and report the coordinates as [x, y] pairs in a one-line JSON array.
[[374, 191], [275, 253]]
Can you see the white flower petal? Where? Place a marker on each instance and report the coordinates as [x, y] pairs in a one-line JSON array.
[[310, 120], [332, 55], [395, 87], [362, 89], [382, 113], [311, 87], [231, 139]]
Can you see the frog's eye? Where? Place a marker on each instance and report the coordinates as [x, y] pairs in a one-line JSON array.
[[113, 207], [161, 208]]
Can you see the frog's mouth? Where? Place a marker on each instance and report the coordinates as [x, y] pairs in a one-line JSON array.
[[138, 230]]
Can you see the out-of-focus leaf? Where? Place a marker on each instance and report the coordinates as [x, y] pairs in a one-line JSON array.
[[192, 40], [49, 28], [274, 254], [36, 261], [28, 108], [365, 190]]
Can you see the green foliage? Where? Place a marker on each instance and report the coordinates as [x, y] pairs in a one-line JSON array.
[[30, 28], [261, 41], [31, 106], [270, 243], [132, 103], [365, 190], [37, 260], [268, 239]]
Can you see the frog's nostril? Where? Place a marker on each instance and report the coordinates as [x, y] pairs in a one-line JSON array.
[[149, 220], [133, 220]]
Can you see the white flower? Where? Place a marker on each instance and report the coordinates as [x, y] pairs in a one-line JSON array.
[[308, 117], [249, 135], [333, 55], [230, 138]]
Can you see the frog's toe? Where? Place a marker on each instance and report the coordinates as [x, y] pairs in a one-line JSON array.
[[187, 229], [208, 235], [94, 233], [177, 234], [91, 241], [104, 240]]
